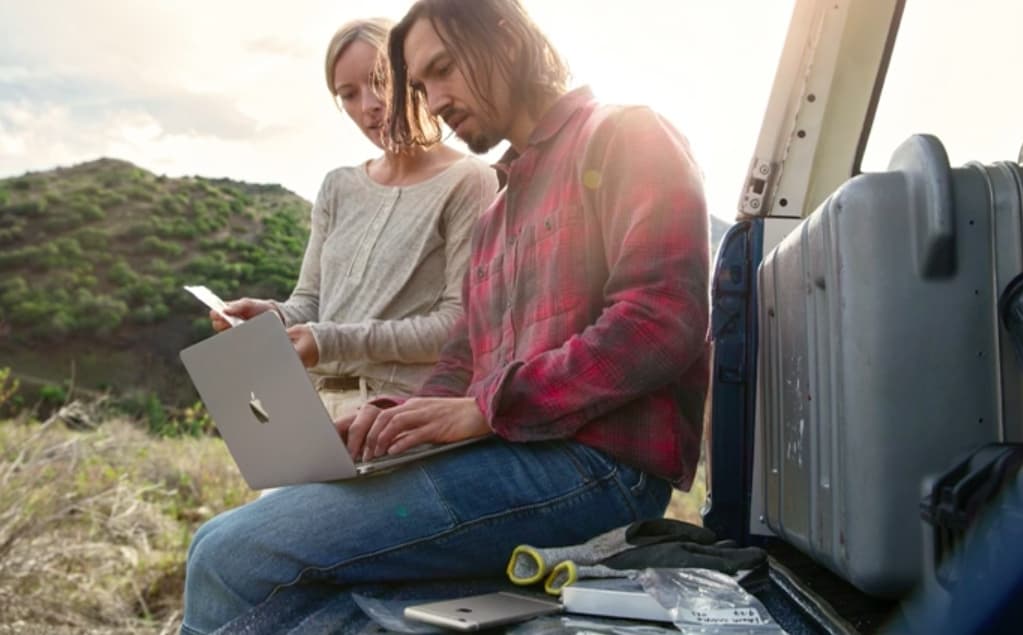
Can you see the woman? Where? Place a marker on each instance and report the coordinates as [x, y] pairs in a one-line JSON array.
[[380, 285]]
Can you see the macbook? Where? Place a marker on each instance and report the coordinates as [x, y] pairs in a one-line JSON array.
[[268, 412]]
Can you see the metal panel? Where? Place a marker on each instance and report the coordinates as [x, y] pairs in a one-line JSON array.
[[882, 357], [822, 103]]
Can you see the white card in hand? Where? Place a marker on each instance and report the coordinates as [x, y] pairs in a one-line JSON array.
[[211, 300]]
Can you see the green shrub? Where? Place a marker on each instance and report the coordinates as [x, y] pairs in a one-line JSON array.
[[52, 395], [141, 193], [69, 248], [65, 252], [150, 313], [92, 212], [111, 198], [219, 208], [138, 230], [142, 290], [8, 386], [63, 222], [29, 312], [5, 196], [57, 289], [194, 421], [92, 238], [158, 267], [98, 313], [156, 415], [103, 257], [89, 191], [23, 257], [171, 205], [152, 245], [207, 225], [12, 234], [27, 208], [111, 179], [201, 328], [122, 274], [202, 187], [61, 323], [179, 228], [22, 184], [13, 290]]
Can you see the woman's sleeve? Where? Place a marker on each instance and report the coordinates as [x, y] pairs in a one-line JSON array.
[[304, 304]]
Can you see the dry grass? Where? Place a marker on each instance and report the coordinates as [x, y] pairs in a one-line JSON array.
[[686, 505], [94, 525]]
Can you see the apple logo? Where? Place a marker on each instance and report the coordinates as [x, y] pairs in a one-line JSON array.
[[256, 406]]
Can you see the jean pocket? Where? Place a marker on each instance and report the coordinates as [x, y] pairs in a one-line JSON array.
[[595, 465], [635, 480]]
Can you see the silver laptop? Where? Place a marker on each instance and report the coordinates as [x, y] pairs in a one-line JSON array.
[[268, 412]]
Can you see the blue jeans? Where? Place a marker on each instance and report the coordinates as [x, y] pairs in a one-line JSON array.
[[454, 515]]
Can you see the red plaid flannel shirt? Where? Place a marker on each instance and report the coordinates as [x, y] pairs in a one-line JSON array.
[[586, 300]]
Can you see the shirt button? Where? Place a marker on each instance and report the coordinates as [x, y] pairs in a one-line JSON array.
[[480, 272]]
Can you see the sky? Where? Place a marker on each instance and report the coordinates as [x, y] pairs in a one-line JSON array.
[[231, 88]]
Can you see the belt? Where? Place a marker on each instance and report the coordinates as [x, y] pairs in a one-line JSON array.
[[341, 382]]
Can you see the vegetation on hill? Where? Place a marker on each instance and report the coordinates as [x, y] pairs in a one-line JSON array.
[[93, 259]]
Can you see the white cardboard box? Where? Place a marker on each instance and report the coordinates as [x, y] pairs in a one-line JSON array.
[[613, 597]]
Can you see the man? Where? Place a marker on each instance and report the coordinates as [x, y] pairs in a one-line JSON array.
[[582, 350]]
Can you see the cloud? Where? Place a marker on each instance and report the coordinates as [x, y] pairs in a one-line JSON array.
[[280, 47], [91, 100]]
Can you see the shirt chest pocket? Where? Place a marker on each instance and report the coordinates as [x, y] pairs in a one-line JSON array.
[[551, 264], [488, 302]]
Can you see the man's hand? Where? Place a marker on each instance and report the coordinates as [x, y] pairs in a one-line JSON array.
[[245, 308], [374, 432], [302, 339]]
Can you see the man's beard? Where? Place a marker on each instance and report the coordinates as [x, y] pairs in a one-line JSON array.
[[480, 143]]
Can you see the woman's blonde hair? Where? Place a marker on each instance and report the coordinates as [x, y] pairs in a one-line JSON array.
[[372, 31], [375, 31]]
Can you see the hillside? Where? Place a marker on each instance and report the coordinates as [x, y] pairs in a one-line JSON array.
[[93, 258]]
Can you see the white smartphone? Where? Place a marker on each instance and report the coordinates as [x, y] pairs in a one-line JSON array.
[[482, 611], [214, 302]]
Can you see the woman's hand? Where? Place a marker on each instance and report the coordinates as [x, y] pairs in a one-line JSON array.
[[245, 308], [302, 339], [373, 432]]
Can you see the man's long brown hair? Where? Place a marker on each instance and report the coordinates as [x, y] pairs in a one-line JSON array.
[[480, 35]]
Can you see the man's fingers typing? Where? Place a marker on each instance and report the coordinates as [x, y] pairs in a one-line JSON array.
[[360, 427], [342, 425]]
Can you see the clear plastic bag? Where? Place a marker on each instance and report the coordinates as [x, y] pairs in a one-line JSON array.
[[705, 602], [587, 625], [389, 614]]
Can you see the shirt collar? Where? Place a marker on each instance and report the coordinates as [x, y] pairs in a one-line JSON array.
[[552, 121]]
